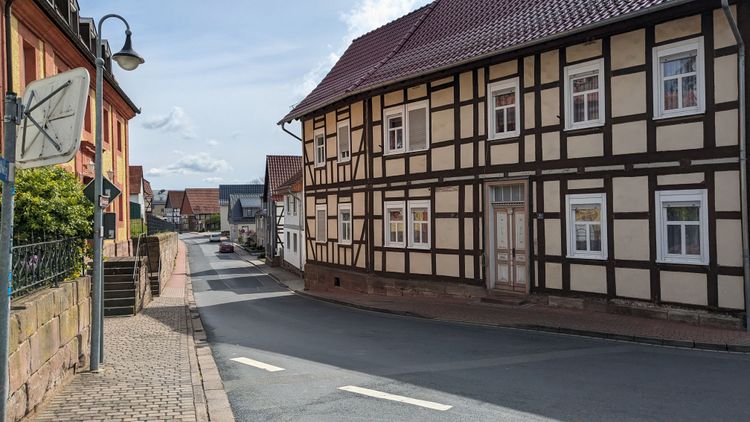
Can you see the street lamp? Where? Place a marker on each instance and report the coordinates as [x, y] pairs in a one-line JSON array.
[[127, 59]]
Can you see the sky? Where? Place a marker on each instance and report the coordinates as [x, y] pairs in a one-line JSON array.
[[219, 75]]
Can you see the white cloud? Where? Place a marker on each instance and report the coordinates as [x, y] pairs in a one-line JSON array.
[[213, 180], [212, 142], [192, 164], [177, 121], [365, 16]]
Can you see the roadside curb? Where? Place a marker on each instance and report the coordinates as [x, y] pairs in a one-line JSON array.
[[211, 401], [654, 341]]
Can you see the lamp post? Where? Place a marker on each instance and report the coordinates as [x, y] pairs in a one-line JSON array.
[[128, 59]]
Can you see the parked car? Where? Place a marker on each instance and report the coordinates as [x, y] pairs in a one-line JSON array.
[[214, 237], [226, 247]]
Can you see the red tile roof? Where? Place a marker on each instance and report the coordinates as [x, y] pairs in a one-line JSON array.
[[447, 33], [135, 179], [200, 201], [174, 198], [294, 184], [147, 191], [279, 168]]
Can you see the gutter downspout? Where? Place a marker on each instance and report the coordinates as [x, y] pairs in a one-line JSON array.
[[743, 157], [302, 202]]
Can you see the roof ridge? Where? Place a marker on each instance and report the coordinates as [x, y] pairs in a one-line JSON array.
[[427, 10]]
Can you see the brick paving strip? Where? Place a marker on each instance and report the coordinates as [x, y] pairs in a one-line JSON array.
[[157, 366], [529, 316]]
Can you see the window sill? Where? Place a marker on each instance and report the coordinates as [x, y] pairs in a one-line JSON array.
[[403, 153], [687, 113], [317, 166], [677, 261], [341, 162], [583, 126], [513, 136], [587, 257], [419, 248]]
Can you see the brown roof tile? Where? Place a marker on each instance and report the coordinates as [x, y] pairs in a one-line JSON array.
[[279, 168], [200, 201], [174, 198], [447, 33], [135, 179]]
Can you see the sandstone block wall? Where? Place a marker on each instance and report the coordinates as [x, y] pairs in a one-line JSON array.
[[160, 249], [49, 342]]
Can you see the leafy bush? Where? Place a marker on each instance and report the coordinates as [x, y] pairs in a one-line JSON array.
[[50, 204]]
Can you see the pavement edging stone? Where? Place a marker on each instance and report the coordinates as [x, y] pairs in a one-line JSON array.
[[208, 389]]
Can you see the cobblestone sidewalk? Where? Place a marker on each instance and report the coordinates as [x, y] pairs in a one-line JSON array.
[[150, 367]]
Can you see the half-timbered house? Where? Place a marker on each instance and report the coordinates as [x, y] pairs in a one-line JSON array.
[[559, 147]]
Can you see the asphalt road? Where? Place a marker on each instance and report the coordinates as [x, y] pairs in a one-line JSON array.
[[296, 354]]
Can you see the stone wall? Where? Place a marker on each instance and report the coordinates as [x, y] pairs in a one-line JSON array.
[[319, 277], [49, 342], [161, 250]]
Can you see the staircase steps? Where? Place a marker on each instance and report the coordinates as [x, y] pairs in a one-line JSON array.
[[501, 297], [119, 286]]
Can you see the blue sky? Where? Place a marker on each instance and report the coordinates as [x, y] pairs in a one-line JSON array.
[[217, 78]]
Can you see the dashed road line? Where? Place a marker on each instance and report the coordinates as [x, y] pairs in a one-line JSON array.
[[257, 364], [394, 397]]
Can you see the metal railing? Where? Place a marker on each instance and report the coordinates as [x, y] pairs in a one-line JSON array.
[[38, 265]]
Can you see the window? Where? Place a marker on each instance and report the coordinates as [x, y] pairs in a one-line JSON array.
[[584, 95], [287, 240], [295, 242], [419, 224], [587, 225], [679, 79], [119, 136], [682, 230], [287, 203], [394, 130], [294, 205], [343, 142], [29, 63], [320, 149], [106, 127], [503, 109], [345, 224], [411, 134], [394, 224], [321, 224]]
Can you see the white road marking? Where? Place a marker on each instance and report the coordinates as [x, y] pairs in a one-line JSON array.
[[393, 397], [255, 363]]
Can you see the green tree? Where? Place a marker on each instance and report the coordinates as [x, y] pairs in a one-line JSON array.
[[50, 204]]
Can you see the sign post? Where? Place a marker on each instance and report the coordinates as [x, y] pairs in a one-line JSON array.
[[51, 116]]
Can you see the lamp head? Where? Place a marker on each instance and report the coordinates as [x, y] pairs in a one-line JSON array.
[[127, 58]]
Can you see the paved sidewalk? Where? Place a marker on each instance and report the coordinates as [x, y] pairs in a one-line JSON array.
[[287, 278], [545, 318], [150, 369]]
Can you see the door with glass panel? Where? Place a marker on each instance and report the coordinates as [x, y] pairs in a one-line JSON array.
[[509, 237]]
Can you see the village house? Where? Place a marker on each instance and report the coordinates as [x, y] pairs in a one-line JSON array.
[[172, 206], [556, 149], [199, 207], [243, 211], [224, 201], [141, 194], [50, 38], [270, 232], [294, 230]]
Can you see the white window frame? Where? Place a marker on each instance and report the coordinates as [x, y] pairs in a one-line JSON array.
[[425, 104], [412, 243], [345, 207], [573, 72], [501, 86], [320, 133], [664, 197], [403, 111], [585, 199], [387, 113], [348, 158], [324, 208], [387, 223], [673, 49], [294, 205]]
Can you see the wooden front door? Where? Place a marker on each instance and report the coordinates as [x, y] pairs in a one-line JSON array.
[[510, 258]]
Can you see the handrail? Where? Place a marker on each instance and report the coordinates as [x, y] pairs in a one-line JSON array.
[[136, 266]]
